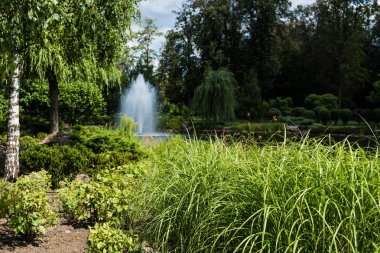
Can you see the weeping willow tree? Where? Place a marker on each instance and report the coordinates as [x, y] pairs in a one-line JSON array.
[[214, 99]]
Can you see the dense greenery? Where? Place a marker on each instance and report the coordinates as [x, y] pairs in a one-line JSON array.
[[207, 196], [214, 99], [26, 205], [328, 47], [91, 150], [106, 201]]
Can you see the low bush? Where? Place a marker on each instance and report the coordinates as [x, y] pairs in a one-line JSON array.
[[273, 112], [345, 115], [335, 115], [26, 205], [284, 105], [62, 162], [99, 139], [106, 238], [92, 149], [104, 198], [327, 100], [107, 198]]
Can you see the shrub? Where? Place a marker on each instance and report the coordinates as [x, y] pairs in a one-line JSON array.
[[309, 114], [298, 111], [335, 115], [273, 112], [27, 206], [105, 238], [104, 198], [282, 104], [345, 115], [99, 139], [327, 100], [324, 115], [27, 141], [63, 162]]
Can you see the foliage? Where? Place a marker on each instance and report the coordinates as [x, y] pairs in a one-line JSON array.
[[249, 96], [324, 115], [100, 139], [374, 96], [59, 161], [271, 112], [26, 205], [105, 238], [298, 121], [209, 196], [282, 104], [127, 126], [3, 108], [172, 116], [80, 101], [143, 54], [92, 149], [327, 100], [104, 198], [107, 198], [335, 115], [214, 99], [345, 115]]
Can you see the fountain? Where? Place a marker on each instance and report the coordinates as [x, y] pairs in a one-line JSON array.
[[139, 102]]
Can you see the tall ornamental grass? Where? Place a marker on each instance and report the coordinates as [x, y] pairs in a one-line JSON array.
[[281, 197]]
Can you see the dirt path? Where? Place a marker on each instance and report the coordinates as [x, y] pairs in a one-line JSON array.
[[64, 238]]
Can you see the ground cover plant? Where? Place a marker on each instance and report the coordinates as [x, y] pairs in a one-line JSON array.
[[26, 205], [207, 196], [104, 203]]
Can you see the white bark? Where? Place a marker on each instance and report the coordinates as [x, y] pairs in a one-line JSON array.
[[13, 137]]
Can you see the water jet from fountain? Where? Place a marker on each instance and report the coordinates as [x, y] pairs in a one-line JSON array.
[[139, 102]]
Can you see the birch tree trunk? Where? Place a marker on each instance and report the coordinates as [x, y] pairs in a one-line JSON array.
[[13, 136]]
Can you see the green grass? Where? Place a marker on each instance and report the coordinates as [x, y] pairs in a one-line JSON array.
[[207, 196]]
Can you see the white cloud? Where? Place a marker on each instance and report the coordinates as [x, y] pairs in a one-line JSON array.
[[301, 2]]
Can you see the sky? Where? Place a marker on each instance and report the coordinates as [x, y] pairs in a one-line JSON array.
[[161, 11]]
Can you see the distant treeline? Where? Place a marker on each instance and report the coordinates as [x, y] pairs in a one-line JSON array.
[[275, 50]]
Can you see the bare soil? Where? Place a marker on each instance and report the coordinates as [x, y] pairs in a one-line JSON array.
[[64, 238]]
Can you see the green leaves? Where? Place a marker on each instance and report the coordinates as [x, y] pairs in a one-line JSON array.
[[105, 238], [214, 99], [27, 206]]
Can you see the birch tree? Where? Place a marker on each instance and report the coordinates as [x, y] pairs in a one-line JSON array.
[[58, 40]]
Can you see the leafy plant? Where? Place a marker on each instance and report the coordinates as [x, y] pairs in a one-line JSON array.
[[105, 238], [26, 205], [127, 126], [346, 115], [106, 197], [327, 100]]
